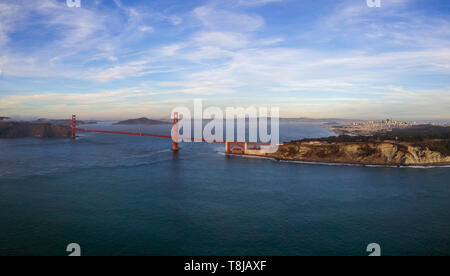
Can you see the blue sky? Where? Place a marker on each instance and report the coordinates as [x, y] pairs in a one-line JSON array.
[[120, 59]]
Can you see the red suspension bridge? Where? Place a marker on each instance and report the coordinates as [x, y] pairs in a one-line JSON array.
[[230, 147]]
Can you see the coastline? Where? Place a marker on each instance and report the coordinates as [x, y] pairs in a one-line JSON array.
[[431, 165], [350, 164], [313, 153], [336, 131]]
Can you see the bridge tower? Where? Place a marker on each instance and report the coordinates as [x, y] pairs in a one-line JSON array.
[[74, 126], [175, 133]]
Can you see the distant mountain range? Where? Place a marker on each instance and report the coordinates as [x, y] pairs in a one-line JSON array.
[[329, 121], [142, 121], [63, 122]]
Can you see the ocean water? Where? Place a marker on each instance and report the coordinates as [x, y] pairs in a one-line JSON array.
[[123, 195]]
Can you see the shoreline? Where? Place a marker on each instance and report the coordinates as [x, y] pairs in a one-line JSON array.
[[349, 164], [432, 165]]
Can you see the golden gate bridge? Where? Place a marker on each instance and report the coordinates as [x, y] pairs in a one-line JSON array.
[[231, 147]]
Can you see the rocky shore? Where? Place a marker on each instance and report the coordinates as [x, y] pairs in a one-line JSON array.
[[380, 153]]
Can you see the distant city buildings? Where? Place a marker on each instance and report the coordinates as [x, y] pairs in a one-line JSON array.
[[371, 127], [385, 125], [441, 124]]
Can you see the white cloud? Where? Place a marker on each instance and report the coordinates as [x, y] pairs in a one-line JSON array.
[[223, 40], [226, 20], [146, 29], [256, 2], [171, 50], [118, 72], [393, 25], [11, 15], [225, 49]]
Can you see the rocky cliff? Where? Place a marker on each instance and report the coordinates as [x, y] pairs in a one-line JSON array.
[[381, 153], [25, 129]]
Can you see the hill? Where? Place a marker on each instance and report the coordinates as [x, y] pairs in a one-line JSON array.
[[26, 129], [142, 121]]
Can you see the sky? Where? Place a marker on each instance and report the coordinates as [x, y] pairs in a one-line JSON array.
[[114, 59]]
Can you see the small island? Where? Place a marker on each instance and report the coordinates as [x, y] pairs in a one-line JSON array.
[[142, 121], [422, 145]]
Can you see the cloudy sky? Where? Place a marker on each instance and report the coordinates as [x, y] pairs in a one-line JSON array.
[[325, 58]]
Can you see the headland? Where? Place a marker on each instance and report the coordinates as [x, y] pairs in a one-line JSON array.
[[422, 145]]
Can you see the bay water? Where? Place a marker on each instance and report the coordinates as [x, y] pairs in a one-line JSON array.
[[126, 195]]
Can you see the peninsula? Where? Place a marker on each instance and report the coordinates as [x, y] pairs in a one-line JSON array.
[[416, 146], [142, 121]]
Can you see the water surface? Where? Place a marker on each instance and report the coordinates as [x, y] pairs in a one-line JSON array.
[[123, 195]]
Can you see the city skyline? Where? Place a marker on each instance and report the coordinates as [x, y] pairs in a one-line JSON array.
[[326, 59]]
